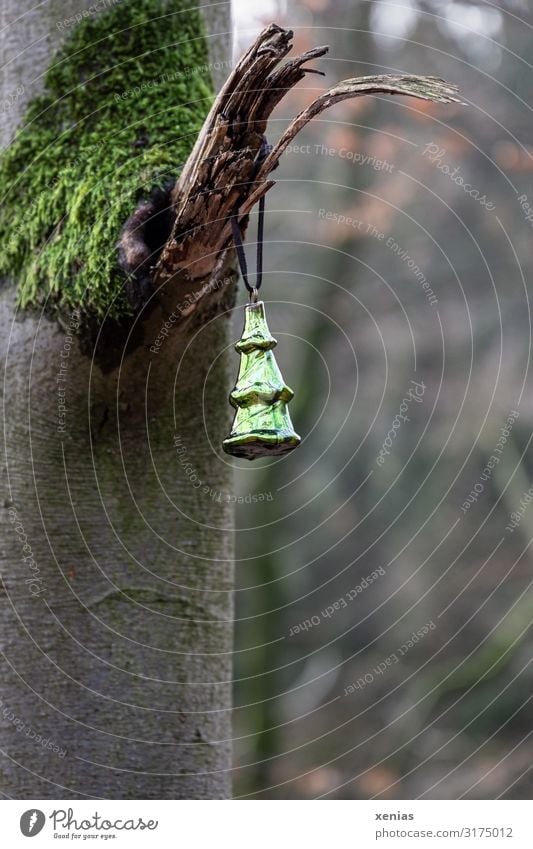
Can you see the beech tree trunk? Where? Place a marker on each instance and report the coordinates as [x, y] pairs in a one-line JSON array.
[[116, 607]]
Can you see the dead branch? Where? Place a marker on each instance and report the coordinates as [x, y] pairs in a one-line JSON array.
[[222, 174]]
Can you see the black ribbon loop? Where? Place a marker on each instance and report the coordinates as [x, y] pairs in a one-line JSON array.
[[237, 240]]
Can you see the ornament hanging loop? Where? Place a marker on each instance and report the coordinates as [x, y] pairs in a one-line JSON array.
[[237, 240], [239, 247]]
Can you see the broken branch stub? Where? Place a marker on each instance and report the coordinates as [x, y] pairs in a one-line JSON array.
[[221, 173]]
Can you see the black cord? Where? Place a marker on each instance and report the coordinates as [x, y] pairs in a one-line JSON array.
[[237, 240]]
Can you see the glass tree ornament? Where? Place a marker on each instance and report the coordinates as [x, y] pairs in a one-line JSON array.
[[262, 424]]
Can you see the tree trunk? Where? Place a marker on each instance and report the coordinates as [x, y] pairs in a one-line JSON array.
[[116, 537]]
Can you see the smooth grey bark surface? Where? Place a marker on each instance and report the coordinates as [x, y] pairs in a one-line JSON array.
[[29, 32], [116, 609]]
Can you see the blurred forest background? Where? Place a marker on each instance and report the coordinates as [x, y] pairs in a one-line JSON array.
[[431, 536]]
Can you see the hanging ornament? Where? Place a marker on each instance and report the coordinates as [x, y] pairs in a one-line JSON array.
[[262, 424]]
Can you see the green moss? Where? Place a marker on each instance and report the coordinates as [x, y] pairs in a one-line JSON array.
[[123, 102]]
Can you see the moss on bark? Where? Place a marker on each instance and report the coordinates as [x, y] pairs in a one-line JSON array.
[[123, 102]]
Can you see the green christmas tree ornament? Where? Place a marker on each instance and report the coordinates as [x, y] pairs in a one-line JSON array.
[[262, 424]]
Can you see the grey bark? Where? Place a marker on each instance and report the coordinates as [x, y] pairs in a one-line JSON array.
[[118, 653]]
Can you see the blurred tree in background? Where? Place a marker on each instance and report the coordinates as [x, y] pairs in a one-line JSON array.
[[397, 283]]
